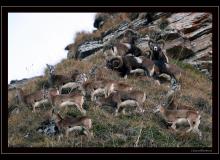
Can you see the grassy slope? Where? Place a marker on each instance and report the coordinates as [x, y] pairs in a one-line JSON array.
[[121, 131]]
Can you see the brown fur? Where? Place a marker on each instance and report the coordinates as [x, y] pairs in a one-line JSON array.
[[65, 123], [76, 98], [172, 115], [122, 49], [107, 85], [116, 98], [176, 116], [30, 99], [57, 80]]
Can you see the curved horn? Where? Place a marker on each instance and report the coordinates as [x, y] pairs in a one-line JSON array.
[[117, 62]]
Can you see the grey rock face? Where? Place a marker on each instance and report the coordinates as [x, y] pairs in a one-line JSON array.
[[48, 128], [188, 37], [88, 48], [195, 39]]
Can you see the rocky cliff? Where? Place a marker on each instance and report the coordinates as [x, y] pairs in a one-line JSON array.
[[188, 43], [187, 36]]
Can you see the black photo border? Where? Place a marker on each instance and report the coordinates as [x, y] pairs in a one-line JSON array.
[[4, 79]]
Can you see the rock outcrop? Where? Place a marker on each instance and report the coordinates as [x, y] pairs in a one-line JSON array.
[[188, 36], [196, 32], [88, 48], [22, 82], [48, 128]]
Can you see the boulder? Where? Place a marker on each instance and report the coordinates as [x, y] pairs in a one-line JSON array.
[[88, 48], [48, 128]]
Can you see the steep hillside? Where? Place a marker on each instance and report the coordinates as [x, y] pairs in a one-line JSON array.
[[188, 36], [188, 44]]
